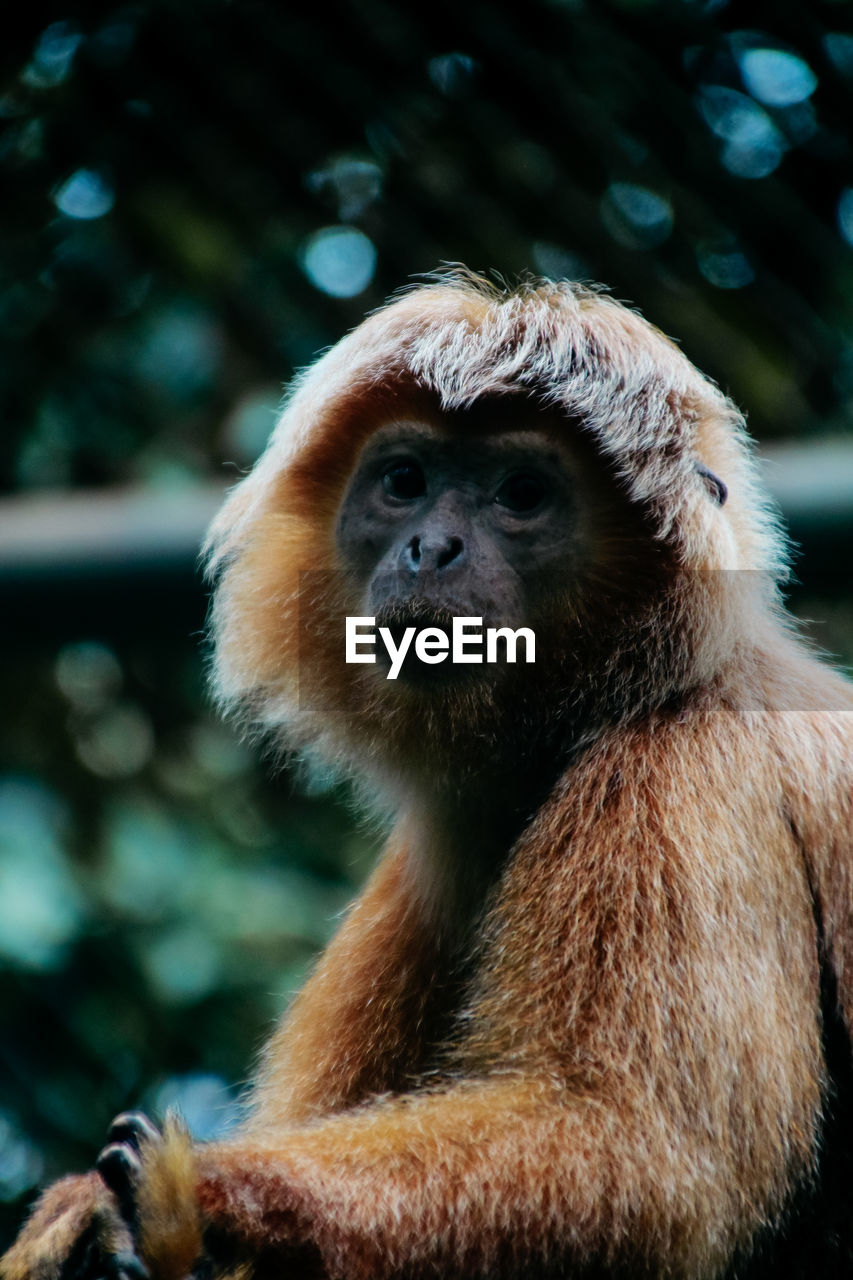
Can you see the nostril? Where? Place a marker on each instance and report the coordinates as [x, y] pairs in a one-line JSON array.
[[415, 550], [451, 552]]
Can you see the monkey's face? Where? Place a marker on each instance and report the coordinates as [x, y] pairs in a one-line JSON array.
[[566, 491], [444, 520]]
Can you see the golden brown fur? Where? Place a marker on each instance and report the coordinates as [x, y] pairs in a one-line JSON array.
[[600, 1048]]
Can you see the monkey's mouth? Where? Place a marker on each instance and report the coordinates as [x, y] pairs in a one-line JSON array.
[[404, 620]]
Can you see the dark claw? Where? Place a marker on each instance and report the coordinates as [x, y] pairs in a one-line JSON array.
[[119, 1166], [133, 1128]]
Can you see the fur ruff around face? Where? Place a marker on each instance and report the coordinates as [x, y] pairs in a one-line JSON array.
[[609, 381]]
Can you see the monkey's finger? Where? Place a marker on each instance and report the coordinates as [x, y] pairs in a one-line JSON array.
[[133, 1128], [119, 1166]]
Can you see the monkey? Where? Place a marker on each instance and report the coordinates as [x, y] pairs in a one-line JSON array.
[[591, 1014]]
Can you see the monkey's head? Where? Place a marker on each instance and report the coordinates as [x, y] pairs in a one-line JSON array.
[[541, 459]]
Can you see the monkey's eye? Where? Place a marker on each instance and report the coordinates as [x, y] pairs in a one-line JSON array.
[[404, 479], [520, 492]]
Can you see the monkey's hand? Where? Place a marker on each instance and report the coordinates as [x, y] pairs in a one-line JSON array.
[[120, 1165], [134, 1218], [152, 1177], [74, 1228]]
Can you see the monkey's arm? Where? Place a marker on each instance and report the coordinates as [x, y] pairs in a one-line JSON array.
[[475, 1182], [465, 1182]]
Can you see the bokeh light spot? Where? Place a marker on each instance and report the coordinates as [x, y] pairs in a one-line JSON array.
[[21, 1165], [117, 743], [53, 57], [838, 46], [40, 905], [355, 184], [845, 214], [558, 263], [724, 268], [452, 73], [754, 145], [88, 673], [635, 216], [136, 881], [206, 1104], [181, 352], [184, 964], [340, 261], [776, 78], [86, 194]]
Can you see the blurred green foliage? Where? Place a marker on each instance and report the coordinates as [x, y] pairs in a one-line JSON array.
[[198, 197]]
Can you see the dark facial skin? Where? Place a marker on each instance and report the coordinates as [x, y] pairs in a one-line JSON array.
[[440, 522]]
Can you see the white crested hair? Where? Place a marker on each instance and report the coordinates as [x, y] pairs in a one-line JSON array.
[[627, 386]]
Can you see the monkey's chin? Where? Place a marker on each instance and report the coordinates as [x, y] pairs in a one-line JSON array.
[[401, 613]]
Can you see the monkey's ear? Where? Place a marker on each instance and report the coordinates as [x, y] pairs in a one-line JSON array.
[[715, 486]]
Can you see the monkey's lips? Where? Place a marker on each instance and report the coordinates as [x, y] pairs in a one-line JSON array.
[[413, 611]]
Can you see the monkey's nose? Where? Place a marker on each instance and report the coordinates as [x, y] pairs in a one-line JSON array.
[[421, 554]]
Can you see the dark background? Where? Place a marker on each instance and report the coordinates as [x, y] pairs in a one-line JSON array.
[[196, 198]]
